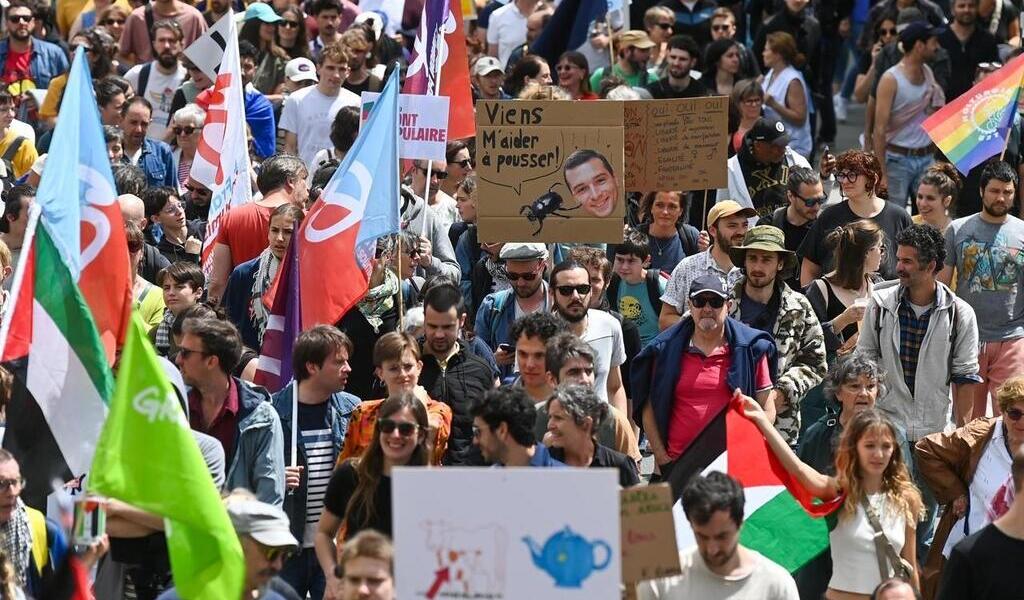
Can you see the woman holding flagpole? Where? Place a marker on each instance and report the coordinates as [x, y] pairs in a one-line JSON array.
[[879, 497]]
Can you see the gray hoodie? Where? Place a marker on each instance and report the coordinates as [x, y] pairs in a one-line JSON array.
[[414, 215]]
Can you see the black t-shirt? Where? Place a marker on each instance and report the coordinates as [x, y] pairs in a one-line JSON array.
[[606, 458], [892, 220], [339, 491], [795, 235], [371, 84], [661, 90], [981, 567], [965, 58]]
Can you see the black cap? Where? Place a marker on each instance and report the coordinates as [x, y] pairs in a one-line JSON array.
[[769, 130], [708, 283], [916, 32]]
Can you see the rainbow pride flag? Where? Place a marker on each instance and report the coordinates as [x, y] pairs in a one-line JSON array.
[[974, 127]]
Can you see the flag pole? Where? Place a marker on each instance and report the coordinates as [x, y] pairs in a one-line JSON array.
[[19, 276], [435, 92], [295, 420]]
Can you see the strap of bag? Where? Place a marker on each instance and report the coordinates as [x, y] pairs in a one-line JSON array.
[[884, 551], [144, 79], [12, 150]]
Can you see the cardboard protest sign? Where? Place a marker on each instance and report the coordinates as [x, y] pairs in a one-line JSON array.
[[520, 533], [678, 145], [549, 171], [422, 127], [648, 534]]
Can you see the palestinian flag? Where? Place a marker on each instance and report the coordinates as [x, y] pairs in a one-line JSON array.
[[782, 520], [60, 397]]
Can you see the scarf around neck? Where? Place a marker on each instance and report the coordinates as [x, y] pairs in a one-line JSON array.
[[379, 300], [16, 541]]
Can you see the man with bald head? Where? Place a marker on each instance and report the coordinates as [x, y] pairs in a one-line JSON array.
[[134, 210]]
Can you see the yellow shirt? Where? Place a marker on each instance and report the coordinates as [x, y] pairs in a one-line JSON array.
[[53, 95], [151, 307], [26, 155]]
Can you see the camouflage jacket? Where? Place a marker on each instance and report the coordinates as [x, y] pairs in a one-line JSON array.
[[801, 347]]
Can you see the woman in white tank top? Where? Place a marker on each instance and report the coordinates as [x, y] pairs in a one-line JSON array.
[[869, 465], [787, 97]]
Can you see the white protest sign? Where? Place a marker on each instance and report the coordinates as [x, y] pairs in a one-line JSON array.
[[423, 124], [507, 533]]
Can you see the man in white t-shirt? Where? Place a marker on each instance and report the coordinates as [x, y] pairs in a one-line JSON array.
[[158, 79], [507, 28], [719, 567], [308, 113], [570, 282]]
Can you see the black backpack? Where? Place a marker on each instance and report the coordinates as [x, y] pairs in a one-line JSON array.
[[653, 281]]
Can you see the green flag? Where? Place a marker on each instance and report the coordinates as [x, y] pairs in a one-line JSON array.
[[146, 456]]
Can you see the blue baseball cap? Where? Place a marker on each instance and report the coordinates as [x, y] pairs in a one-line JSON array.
[[263, 12]]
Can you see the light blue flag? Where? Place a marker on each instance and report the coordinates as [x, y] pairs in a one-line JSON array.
[[77, 184]]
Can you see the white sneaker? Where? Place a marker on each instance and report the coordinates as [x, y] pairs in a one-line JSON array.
[[839, 104]]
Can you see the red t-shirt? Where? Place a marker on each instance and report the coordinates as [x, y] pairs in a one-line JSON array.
[[17, 67], [702, 392], [245, 229]]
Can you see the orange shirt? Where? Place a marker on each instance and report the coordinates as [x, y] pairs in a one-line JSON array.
[[363, 419]]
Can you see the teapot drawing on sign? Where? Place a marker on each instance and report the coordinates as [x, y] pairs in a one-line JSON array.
[[568, 558]]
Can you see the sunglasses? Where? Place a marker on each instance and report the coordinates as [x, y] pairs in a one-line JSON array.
[[439, 174], [1014, 414], [20, 18], [524, 276], [665, 25], [113, 22], [847, 176], [272, 553], [702, 301], [405, 428], [184, 353], [721, 27], [186, 130], [466, 163], [197, 191], [811, 202], [289, 24], [566, 290], [886, 31]]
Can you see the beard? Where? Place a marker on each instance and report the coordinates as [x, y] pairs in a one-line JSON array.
[[996, 210], [679, 73], [167, 60], [707, 324], [573, 317]]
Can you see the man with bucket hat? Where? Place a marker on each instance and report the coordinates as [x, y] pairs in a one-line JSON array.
[[764, 301]]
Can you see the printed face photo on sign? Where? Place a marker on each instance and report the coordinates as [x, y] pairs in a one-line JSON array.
[[591, 181]]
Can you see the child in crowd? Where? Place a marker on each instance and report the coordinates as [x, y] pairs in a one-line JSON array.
[[635, 291], [183, 284]]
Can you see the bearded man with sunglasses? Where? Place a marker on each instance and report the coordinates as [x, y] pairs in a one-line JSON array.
[[806, 197], [688, 374]]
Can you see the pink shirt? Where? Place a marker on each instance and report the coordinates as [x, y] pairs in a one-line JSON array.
[[135, 37]]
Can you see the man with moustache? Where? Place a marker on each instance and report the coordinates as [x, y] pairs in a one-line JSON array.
[[987, 251], [25, 58], [683, 56], [689, 373], [764, 301], [159, 79]]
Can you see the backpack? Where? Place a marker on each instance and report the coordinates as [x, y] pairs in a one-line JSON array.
[[144, 79], [653, 281], [953, 319]]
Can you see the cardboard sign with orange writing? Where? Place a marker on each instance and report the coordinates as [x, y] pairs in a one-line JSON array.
[[648, 534]]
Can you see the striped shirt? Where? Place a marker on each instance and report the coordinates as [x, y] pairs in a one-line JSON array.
[[318, 445]]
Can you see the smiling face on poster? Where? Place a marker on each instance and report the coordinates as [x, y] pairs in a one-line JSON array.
[[521, 533]]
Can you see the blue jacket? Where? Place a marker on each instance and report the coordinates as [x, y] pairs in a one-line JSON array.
[[48, 61], [258, 463], [157, 162], [656, 370], [494, 321], [339, 408], [56, 548], [259, 114], [237, 301]]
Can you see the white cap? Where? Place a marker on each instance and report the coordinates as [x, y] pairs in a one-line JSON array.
[[300, 69], [485, 65]]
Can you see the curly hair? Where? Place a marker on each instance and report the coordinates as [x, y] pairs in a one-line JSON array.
[[849, 368], [862, 163], [542, 325], [1010, 393], [897, 485], [929, 242]]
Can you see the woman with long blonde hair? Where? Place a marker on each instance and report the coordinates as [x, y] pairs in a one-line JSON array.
[[875, 486]]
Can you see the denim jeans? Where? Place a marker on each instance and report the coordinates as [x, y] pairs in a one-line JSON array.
[[926, 528], [904, 174], [303, 573]]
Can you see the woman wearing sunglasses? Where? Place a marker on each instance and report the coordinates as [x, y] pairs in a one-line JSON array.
[[460, 166], [358, 495], [968, 470], [883, 33], [187, 127]]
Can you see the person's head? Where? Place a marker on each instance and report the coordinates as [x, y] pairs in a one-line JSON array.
[[854, 382], [895, 588], [366, 567], [328, 16], [728, 223], [858, 248], [780, 51], [444, 315], [530, 70], [291, 32], [571, 288], [284, 220], [320, 357], [632, 256], [200, 80], [938, 191], [248, 56], [396, 361], [459, 159], [884, 30], [136, 115], [164, 208], [633, 47], [524, 266], [868, 447], [591, 180], [998, 188], [658, 23], [1010, 398], [920, 254], [333, 68], [598, 267], [919, 41], [182, 283], [858, 173], [723, 55], [11, 484], [438, 171], [536, 23], [264, 533], [965, 12], [569, 360], [344, 129], [503, 419], [764, 258], [767, 140], [113, 137], [20, 20], [209, 350], [358, 46], [663, 209], [136, 241], [465, 199], [723, 24], [805, 192], [713, 504], [747, 98], [168, 39], [97, 43], [113, 18], [15, 210], [110, 99], [573, 71], [709, 303], [795, 6], [129, 179], [530, 334], [488, 75], [197, 194], [682, 56], [574, 414], [284, 173]]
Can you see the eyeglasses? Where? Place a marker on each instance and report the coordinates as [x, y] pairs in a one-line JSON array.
[[272, 553], [6, 484], [1013, 414], [664, 25], [112, 22], [288, 24], [566, 67], [435, 173], [405, 428], [886, 31], [721, 27], [566, 290], [466, 163], [847, 176], [20, 18], [752, 101], [184, 130], [524, 276], [184, 353], [173, 208], [714, 300], [197, 191], [811, 202]]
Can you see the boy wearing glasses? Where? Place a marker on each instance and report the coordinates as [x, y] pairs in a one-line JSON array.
[[806, 197]]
